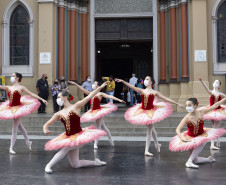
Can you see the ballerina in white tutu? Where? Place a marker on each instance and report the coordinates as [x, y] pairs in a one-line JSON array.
[[217, 114], [97, 111], [150, 111], [74, 136], [18, 106], [196, 137]]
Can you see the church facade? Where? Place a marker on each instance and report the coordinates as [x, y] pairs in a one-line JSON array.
[[174, 41]]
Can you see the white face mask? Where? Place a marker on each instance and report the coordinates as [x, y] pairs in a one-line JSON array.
[[12, 79], [146, 83], [89, 80], [60, 102], [94, 87], [215, 85], [190, 109]]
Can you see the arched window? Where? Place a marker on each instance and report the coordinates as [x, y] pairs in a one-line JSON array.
[[219, 37], [19, 37], [221, 33]]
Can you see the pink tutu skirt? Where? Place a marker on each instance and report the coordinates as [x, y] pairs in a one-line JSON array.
[[28, 105], [93, 115], [176, 144], [216, 114], [87, 135], [138, 116]]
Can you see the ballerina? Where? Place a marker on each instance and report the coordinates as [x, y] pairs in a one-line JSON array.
[[75, 137], [150, 111], [217, 114], [97, 112], [18, 106], [196, 137]]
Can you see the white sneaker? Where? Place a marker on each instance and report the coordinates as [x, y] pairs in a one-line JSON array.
[[12, 152], [190, 164]]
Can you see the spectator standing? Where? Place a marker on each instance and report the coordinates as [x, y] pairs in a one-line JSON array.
[[63, 84], [110, 89], [43, 92], [132, 81], [87, 85], [140, 84], [55, 91]]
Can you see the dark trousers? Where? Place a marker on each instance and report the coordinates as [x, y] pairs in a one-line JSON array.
[[45, 96], [138, 99], [87, 106], [55, 105]]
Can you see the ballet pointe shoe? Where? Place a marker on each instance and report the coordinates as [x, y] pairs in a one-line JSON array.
[[211, 159], [112, 142], [48, 170], [95, 147], [12, 152], [218, 143], [158, 146], [148, 154], [29, 143], [99, 162], [190, 164], [212, 147]]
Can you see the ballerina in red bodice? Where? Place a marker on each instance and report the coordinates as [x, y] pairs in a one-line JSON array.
[[150, 111], [196, 137], [18, 106], [217, 114], [74, 137], [97, 111]]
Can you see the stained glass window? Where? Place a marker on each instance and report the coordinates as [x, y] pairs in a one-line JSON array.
[[19, 37], [221, 32]]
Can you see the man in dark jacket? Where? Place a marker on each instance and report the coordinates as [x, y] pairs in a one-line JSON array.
[[43, 91]]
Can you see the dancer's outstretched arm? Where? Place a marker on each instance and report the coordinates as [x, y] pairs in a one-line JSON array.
[[204, 85], [82, 102], [34, 95], [168, 100], [6, 88], [112, 97], [214, 106], [51, 121], [179, 128], [137, 89], [80, 87]]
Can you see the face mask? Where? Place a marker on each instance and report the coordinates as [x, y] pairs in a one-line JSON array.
[[12, 79], [60, 102], [89, 80], [94, 87], [56, 83], [215, 85], [46, 77], [146, 83], [190, 109]]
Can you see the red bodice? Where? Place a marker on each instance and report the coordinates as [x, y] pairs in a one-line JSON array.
[[195, 129], [95, 103], [147, 101], [72, 123], [214, 99], [14, 99]]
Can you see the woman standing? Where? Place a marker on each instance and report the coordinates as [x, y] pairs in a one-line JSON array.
[[217, 114], [97, 112], [150, 111], [18, 106], [196, 137], [74, 137]]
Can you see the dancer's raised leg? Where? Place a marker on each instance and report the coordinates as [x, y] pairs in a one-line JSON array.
[[148, 140], [104, 127], [98, 126], [24, 132]]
